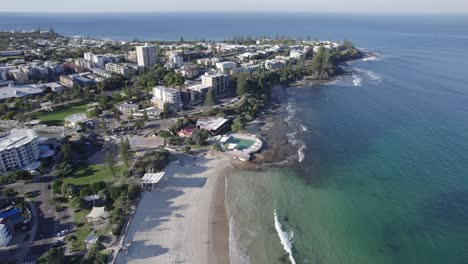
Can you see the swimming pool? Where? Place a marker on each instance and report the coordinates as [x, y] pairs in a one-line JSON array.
[[241, 143]]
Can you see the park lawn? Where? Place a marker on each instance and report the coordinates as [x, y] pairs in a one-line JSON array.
[[56, 118], [84, 174], [82, 230]]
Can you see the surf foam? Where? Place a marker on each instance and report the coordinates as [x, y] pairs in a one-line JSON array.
[[356, 80], [301, 153], [285, 238]]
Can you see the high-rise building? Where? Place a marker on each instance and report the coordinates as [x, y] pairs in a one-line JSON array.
[[18, 149], [165, 95], [146, 56], [218, 81]]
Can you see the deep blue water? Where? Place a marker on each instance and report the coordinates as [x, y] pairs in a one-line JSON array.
[[385, 174]]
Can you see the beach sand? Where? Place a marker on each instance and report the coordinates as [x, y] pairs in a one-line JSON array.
[[183, 220]]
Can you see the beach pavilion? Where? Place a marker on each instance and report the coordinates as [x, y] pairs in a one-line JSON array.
[[151, 178]]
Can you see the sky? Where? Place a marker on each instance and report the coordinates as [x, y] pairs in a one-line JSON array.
[[335, 6]]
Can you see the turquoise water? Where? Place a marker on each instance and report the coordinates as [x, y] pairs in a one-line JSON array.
[[384, 178], [241, 143], [384, 173]]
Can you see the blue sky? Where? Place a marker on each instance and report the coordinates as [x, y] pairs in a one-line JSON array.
[[340, 6]]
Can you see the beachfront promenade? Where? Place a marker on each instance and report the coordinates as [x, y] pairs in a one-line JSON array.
[[174, 223]]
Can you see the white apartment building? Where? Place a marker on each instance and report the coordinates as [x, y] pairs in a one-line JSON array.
[[171, 96], [18, 149], [297, 54], [218, 81], [128, 109], [123, 69], [226, 66], [175, 61], [102, 73], [146, 56]]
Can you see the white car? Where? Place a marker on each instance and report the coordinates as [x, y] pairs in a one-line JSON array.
[[62, 233]]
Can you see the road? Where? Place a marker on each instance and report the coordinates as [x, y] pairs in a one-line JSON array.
[[46, 223]]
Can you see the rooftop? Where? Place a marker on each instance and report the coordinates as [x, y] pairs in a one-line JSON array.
[[19, 91], [17, 138], [211, 124]]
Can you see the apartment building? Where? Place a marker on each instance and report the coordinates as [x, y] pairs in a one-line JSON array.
[[146, 56], [18, 149], [171, 96], [218, 81]]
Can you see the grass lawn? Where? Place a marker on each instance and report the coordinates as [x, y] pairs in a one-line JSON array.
[[82, 230], [85, 174], [56, 118]]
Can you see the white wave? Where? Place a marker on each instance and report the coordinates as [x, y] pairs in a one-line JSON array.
[[236, 254], [301, 153], [292, 138], [285, 238], [304, 128], [370, 74], [356, 80], [372, 58], [291, 112]]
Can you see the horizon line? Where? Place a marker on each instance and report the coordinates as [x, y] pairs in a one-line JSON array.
[[243, 12]]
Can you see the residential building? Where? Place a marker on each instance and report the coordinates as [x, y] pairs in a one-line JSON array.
[[175, 60], [19, 76], [226, 66], [218, 81], [273, 64], [18, 149], [125, 69], [102, 73], [131, 56], [208, 62], [165, 95], [196, 93], [297, 54], [128, 109], [146, 56], [18, 91], [189, 71]]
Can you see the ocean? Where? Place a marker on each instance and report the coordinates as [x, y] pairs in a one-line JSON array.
[[381, 170]]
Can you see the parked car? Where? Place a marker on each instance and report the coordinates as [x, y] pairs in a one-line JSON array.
[[63, 233]]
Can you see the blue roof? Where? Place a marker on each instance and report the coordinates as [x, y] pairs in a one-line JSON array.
[[10, 213]]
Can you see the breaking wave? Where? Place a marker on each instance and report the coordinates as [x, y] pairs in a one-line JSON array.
[[285, 238], [356, 80], [301, 153]]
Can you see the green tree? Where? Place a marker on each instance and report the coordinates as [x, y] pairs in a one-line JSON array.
[[237, 125], [110, 161], [200, 136], [166, 110], [209, 97], [66, 152], [53, 256], [125, 151], [97, 186], [242, 85], [320, 62], [140, 124]]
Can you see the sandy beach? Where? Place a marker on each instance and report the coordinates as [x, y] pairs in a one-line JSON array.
[[183, 220]]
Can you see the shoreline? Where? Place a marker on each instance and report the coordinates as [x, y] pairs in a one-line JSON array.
[[219, 229], [184, 218]]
